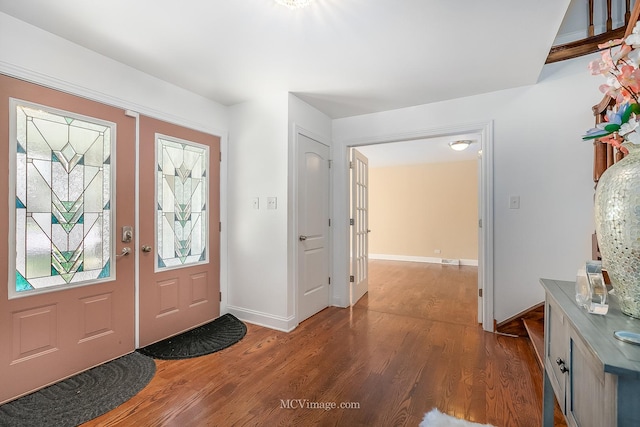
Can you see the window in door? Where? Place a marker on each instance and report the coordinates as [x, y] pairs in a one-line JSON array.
[[63, 183], [182, 196]]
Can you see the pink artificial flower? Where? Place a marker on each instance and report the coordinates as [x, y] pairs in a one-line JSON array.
[[621, 53], [610, 43], [614, 141], [606, 58], [629, 78], [612, 92], [599, 66]]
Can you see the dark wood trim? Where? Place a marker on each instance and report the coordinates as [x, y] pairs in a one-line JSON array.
[[590, 43], [635, 14], [582, 47]]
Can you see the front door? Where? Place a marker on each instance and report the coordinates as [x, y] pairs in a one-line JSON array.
[[68, 303], [313, 227], [359, 225], [179, 229]]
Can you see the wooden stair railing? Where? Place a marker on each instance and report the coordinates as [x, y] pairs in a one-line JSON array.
[[590, 43]]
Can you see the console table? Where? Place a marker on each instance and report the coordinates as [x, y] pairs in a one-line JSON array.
[[594, 376]]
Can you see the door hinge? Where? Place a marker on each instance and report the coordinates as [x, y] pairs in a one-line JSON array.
[[351, 221], [350, 165], [221, 156], [329, 161], [352, 279], [220, 296], [329, 280], [329, 222], [220, 226], [480, 292], [480, 223]]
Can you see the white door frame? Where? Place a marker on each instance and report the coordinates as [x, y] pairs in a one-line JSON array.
[[340, 229]]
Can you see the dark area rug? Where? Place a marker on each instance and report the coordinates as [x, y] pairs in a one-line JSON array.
[[82, 397], [214, 336]]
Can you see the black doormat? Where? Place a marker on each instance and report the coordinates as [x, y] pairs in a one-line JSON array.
[[82, 397], [209, 338]]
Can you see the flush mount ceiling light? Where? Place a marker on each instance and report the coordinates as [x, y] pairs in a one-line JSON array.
[[460, 145], [294, 4]]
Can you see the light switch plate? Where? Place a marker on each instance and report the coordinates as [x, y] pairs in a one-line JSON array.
[[514, 202], [272, 203]]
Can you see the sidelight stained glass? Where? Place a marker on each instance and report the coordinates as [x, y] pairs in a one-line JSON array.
[[63, 185], [182, 196]]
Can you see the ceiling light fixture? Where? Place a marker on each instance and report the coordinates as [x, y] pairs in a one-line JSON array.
[[460, 145], [294, 4]]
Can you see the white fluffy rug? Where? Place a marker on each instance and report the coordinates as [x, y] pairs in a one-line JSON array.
[[436, 418]]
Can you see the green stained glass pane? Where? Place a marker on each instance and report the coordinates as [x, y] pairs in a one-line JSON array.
[[181, 198], [63, 186]]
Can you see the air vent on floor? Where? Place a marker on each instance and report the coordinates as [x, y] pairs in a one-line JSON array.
[[446, 261]]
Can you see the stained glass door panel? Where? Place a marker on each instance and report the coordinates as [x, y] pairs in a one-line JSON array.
[[182, 194], [179, 232], [71, 168], [63, 186]]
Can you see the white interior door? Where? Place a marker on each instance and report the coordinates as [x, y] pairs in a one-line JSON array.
[[313, 227], [360, 225]]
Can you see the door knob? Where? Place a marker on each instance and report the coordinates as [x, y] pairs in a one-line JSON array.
[[146, 248], [562, 366], [302, 238]]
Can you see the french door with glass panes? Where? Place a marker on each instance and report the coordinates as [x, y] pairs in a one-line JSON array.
[[69, 169]]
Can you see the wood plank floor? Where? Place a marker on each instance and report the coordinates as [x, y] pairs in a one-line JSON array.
[[412, 344]]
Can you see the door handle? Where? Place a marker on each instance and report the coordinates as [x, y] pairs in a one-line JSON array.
[[125, 251], [146, 248], [302, 238]]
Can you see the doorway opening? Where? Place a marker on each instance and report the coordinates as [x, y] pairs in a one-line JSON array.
[[483, 134], [421, 221]]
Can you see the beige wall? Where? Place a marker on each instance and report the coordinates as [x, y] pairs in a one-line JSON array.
[[415, 210]]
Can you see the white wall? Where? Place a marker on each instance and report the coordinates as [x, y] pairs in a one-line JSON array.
[[33, 54], [262, 243], [538, 155], [258, 153]]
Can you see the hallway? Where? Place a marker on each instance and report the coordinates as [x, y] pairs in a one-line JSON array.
[[410, 345]]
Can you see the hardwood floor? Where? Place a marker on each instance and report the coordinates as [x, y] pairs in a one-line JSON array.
[[412, 344]]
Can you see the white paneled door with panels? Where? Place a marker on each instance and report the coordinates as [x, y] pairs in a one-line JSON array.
[[313, 227]]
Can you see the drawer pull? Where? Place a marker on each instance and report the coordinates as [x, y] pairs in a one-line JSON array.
[[562, 366]]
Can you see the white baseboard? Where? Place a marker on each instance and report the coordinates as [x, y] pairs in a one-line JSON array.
[[284, 324], [409, 258]]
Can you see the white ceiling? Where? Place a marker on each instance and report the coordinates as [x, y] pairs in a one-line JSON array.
[[431, 150], [345, 57]]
